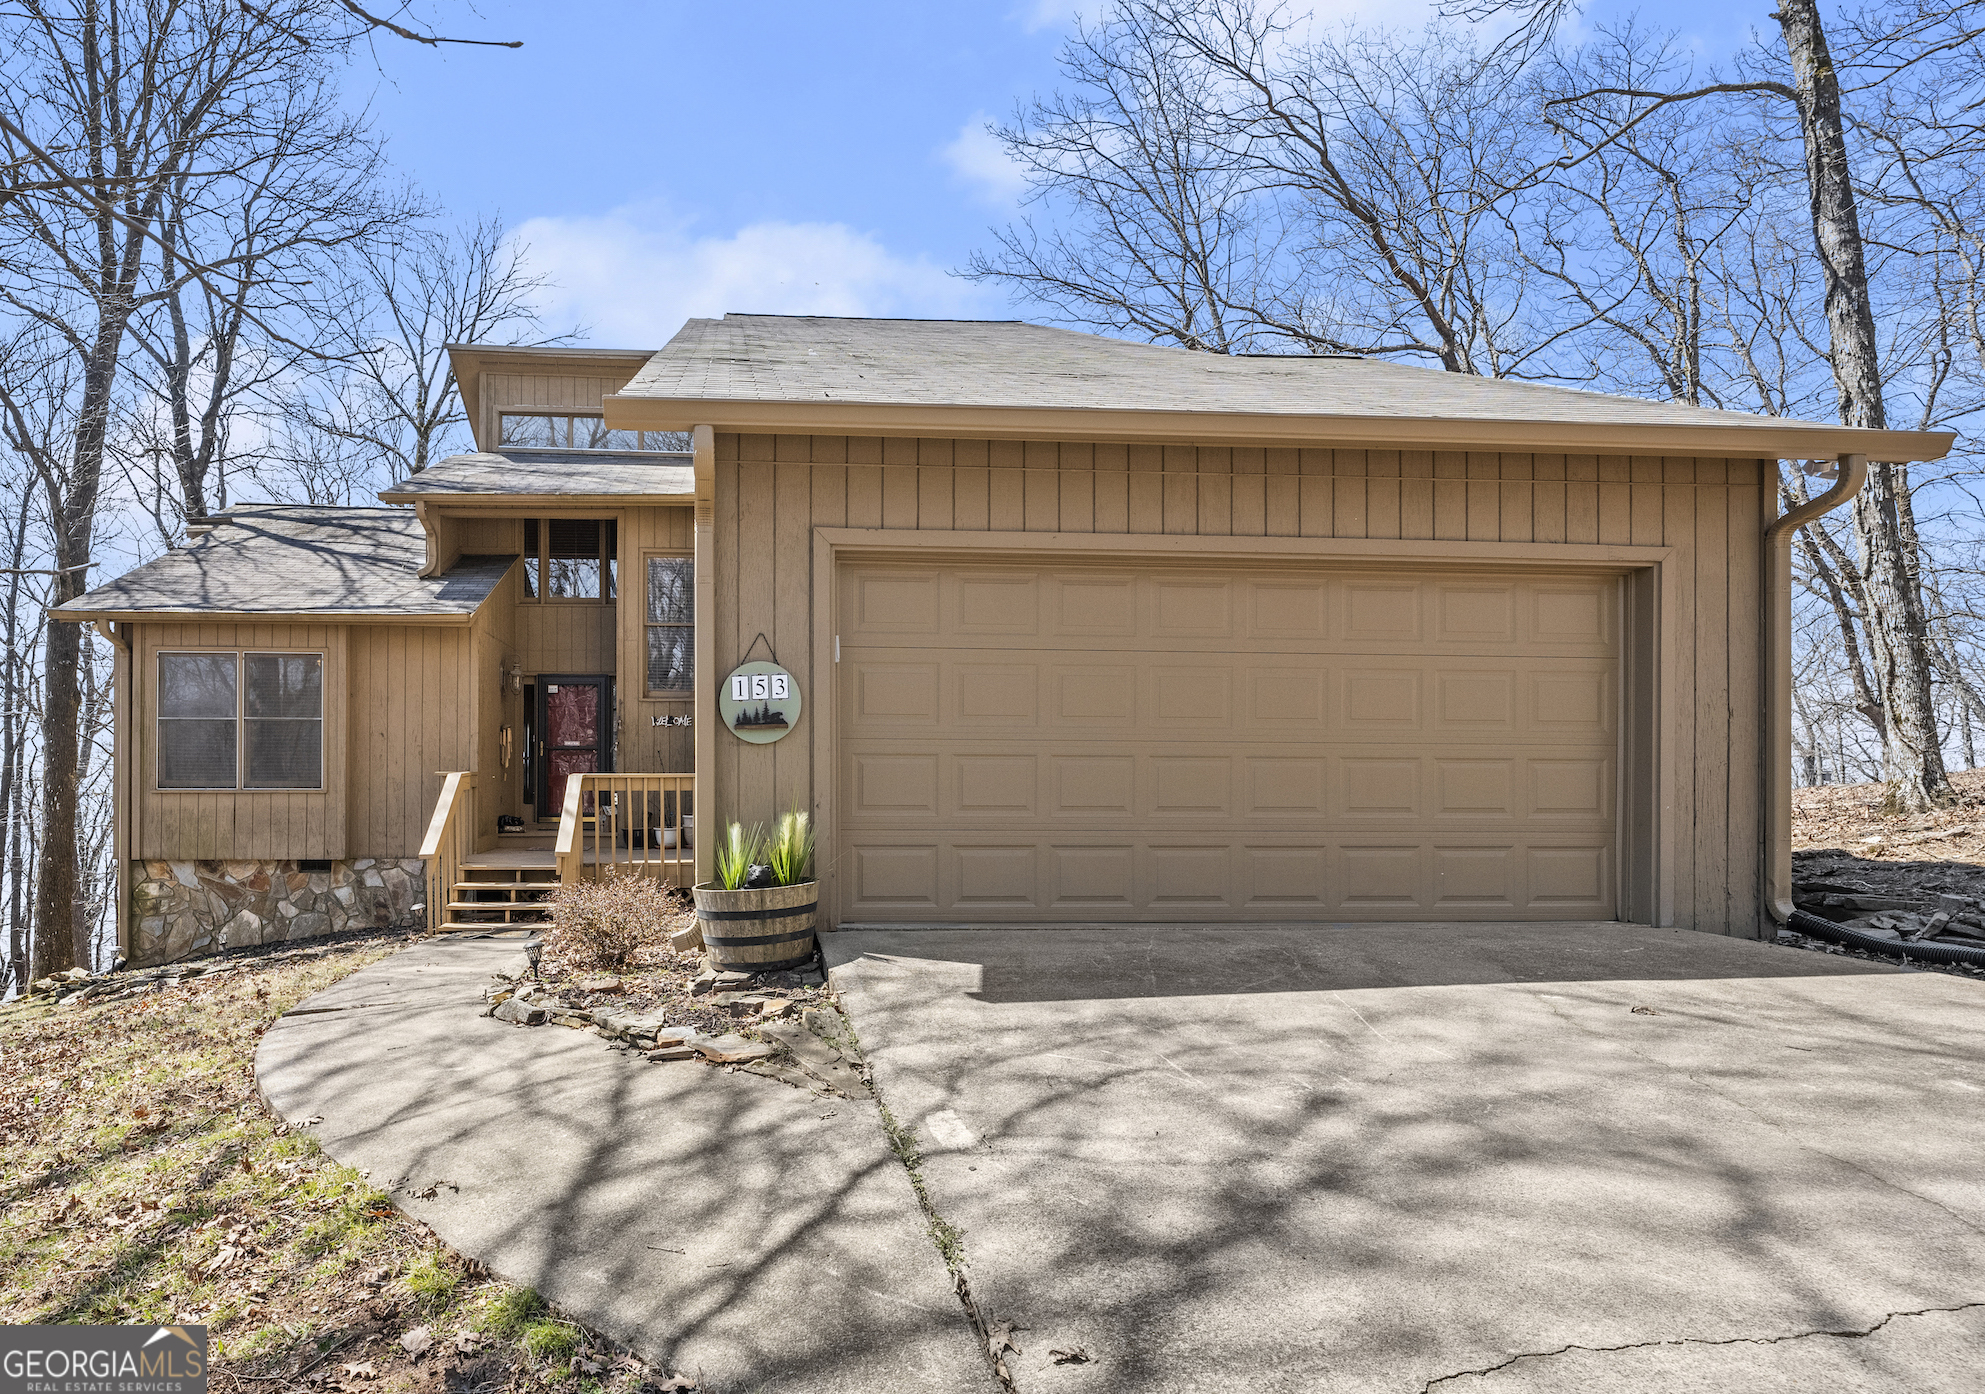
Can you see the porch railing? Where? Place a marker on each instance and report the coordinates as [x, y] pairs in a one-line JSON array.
[[451, 837], [643, 823]]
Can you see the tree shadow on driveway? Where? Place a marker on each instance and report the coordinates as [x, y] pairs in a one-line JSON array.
[[1374, 1158], [722, 1224]]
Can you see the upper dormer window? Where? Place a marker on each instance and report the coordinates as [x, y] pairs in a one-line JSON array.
[[576, 431]]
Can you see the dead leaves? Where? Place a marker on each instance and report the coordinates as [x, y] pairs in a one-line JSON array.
[[1000, 1344], [1073, 1355]]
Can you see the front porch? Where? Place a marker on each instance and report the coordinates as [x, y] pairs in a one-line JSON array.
[[623, 823]]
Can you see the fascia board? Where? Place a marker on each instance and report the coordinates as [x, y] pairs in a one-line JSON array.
[[1765, 440]]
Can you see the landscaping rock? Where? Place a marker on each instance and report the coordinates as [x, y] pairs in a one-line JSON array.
[[688, 939], [602, 985], [520, 1012], [674, 1050], [731, 1050], [826, 1023]]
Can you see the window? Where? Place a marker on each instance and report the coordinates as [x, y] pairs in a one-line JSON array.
[[671, 624], [562, 431], [571, 558], [241, 721]]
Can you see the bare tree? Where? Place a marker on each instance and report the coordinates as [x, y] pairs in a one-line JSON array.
[[386, 404], [150, 103], [1222, 184]]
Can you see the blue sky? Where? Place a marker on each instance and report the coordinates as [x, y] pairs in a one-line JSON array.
[[674, 159]]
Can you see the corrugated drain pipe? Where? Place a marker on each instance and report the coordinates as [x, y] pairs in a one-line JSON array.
[[1923, 952], [1777, 877]]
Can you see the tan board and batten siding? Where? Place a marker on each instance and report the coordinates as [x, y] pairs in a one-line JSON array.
[[401, 703], [772, 492]]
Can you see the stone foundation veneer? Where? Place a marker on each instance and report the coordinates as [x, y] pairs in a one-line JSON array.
[[183, 908]]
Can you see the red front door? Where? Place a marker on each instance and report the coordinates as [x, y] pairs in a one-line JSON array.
[[576, 718]]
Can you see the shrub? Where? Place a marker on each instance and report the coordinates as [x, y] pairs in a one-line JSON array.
[[603, 923]]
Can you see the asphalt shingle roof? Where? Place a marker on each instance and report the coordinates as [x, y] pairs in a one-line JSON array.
[[548, 473], [282, 559], [892, 364]]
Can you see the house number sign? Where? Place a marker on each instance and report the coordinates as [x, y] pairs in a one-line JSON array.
[[759, 702]]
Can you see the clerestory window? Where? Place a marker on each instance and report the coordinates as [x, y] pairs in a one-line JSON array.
[[575, 431]]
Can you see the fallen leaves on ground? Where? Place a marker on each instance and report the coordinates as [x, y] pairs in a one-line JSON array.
[[144, 1181]]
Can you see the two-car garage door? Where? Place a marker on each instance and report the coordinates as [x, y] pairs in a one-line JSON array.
[[1118, 743]]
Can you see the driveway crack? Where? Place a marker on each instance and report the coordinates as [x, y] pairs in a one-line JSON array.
[[1847, 1334]]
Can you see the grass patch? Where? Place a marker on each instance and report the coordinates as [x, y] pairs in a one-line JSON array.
[[143, 1180]]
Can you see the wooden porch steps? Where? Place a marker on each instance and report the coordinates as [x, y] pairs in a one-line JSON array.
[[502, 895]]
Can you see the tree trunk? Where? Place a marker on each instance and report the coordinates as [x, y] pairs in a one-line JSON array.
[[1898, 634], [57, 888]]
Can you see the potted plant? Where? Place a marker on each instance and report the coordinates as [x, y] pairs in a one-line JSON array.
[[757, 916]]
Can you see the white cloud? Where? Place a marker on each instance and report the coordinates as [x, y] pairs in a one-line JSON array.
[[634, 275], [978, 159]]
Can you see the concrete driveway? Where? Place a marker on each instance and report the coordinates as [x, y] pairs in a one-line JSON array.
[[1482, 1159]]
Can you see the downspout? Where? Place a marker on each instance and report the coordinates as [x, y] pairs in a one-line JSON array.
[[1777, 871], [703, 445]]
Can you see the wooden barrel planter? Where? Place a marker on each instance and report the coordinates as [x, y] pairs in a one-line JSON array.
[[763, 931]]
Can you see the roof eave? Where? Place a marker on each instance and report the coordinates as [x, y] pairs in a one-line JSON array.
[[150, 616], [453, 498], [1765, 440]]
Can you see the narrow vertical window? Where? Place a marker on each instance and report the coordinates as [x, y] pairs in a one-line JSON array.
[[283, 720], [533, 561], [671, 621], [197, 713]]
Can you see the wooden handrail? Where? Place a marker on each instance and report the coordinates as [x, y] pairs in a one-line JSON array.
[[635, 818], [444, 811], [450, 835]]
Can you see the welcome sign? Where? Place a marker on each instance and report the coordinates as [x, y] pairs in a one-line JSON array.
[[759, 702]]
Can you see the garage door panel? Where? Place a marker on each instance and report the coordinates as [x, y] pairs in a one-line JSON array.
[[997, 603], [1298, 610], [886, 876], [1192, 609], [1478, 877], [987, 875], [1285, 786], [996, 785], [900, 785], [1287, 878], [896, 604], [1094, 607], [1191, 876], [1196, 786], [1088, 785], [1475, 788], [888, 695], [1092, 878], [1152, 744]]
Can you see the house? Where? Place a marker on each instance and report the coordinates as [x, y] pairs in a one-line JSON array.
[[1044, 628]]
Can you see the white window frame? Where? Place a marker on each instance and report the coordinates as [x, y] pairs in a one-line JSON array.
[[241, 657]]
